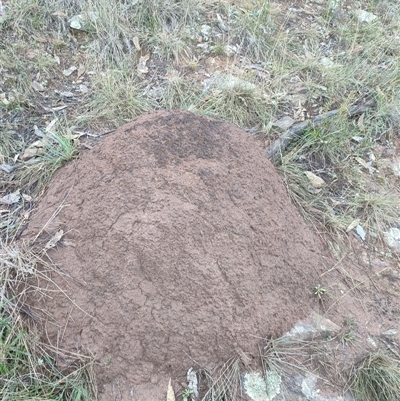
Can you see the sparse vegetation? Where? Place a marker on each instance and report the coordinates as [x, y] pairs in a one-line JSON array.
[[250, 64]]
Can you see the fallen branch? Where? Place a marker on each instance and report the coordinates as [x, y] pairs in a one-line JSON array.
[[276, 149]]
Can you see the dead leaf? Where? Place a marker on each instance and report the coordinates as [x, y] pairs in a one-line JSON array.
[[51, 125], [58, 108], [356, 49], [66, 94], [142, 68], [360, 123], [170, 392], [37, 86], [27, 197], [60, 14], [81, 70], [40, 39], [69, 71], [53, 242], [11, 198], [30, 54], [4, 99], [353, 225], [136, 42], [38, 132], [316, 182], [365, 164]]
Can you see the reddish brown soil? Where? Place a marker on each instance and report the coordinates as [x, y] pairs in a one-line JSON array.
[[183, 249]]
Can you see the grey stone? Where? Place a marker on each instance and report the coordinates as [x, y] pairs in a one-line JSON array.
[[393, 238], [313, 327], [390, 333], [365, 16]]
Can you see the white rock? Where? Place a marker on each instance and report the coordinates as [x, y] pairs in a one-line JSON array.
[[315, 326], [393, 238], [365, 16]]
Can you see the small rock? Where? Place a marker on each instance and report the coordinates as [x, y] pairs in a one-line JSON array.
[[392, 237], [7, 168], [37, 86], [11, 198], [284, 123], [66, 94], [313, 327], [327, 62], [379, 263], [308, 385], [390, 333], [69, 71], [396, 168], [317, 182], [372, 342], [29, 153], [83, 88], [38, 132], [365, 16], [81, 22], [360, 231]]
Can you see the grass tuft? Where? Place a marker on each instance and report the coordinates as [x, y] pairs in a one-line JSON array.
[[224, 383], [375, 377], [117, 99], [234, 99]]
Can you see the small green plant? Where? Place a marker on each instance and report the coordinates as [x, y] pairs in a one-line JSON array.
[[320, 291], [375, 377], [186, 394], [347, 337]]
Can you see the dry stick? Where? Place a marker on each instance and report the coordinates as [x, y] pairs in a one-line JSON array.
[[275, 150]]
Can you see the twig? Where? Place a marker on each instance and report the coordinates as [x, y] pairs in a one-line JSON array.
[[276, 149]]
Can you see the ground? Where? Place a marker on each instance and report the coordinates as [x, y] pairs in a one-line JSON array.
[[72, 73]]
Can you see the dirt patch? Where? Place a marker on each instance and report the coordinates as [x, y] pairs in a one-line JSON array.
[[182, 248]]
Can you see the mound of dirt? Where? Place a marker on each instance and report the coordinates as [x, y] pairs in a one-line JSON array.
[[182, 248]]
